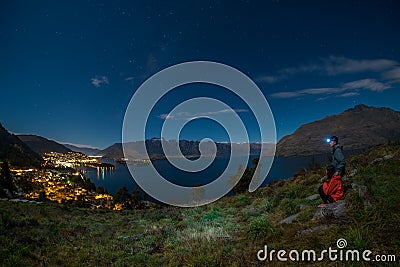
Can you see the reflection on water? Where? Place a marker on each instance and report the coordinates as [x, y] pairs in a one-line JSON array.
[[102, 173]]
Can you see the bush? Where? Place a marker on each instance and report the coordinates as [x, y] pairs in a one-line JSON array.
[[212, 215], [243, 200], [260, 227]]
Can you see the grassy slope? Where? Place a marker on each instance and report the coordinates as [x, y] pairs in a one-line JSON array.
[[228, 232]]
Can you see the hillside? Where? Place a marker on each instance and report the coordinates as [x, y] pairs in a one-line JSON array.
[[113, 152], [357, 128], [15, 151], [42, 145], [228, 232]]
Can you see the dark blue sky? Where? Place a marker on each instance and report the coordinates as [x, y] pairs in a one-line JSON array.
[[69, 68]]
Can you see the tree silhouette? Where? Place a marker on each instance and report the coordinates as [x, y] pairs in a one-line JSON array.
[[6, 180], [137, 198], [244, 182], [123, 197]]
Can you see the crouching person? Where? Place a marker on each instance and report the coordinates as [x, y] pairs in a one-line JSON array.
[[332, 189]]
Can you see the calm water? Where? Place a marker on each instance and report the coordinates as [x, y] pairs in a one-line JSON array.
[[112, 180]]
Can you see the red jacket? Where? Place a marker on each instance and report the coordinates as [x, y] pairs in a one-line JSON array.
[[334, 187]]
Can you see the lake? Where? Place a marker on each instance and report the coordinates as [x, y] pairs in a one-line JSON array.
[[112, 180]]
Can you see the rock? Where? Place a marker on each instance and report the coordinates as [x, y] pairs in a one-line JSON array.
[[313, 229], [289, 219], [376, 160], [135, 236], [332, 211], [362, 190], [252, 212], [381, 159], [313, 197], [353, 173], [367, 204], [363, 193]]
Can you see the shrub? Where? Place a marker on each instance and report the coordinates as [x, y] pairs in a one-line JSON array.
[[260, 226]]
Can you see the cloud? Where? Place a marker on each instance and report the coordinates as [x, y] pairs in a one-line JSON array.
[[98, 81], [347, 89], [129, 78], [368, 84], [393, 75], [310, 91], [176, 115], [270, 79], [349, 94], [189, 116], [286, 94], [224, 111], [338, 65], [286, 73], [388, 71], [341, 65], [318, 91]]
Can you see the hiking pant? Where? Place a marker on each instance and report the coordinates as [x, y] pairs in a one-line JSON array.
[[326, 199]]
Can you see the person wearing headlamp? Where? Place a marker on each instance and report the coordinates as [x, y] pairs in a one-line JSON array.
[[332, 189], [337, 156]]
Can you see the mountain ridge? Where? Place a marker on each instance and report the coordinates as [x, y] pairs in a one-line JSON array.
[[43, 145], [189, 148], [15, 151], [84, 150], [359, 127]]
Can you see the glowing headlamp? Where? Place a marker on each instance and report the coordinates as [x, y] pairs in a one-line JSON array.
[[328, 140]]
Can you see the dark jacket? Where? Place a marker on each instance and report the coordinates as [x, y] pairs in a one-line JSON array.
[[338, 160]]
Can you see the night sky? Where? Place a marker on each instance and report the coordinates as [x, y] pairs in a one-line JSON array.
[[69, 68]]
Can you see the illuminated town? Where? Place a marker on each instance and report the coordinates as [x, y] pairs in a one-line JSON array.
[[61, 180]]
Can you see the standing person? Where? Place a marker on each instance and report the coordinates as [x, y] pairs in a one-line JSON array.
[[332, 189], [337, 156]]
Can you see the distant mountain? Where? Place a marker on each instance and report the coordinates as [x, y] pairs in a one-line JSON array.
[[17, 152], [134, 150], [357, 128], [42, 145], [113, 152], [84, 150]]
